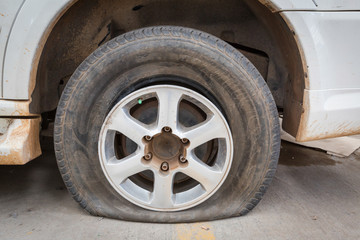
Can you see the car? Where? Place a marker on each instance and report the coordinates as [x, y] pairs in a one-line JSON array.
[[168, 111]]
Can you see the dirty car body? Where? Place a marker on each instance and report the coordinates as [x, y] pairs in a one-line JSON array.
[[328, 105]]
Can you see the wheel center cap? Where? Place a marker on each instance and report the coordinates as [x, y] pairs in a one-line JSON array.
[[166, 146], [165, 151]]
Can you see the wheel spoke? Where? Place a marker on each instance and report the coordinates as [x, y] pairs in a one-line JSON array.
[[163, 190], [120, 170], [206, 131], [122, 122], [168, 107], [207, 176]]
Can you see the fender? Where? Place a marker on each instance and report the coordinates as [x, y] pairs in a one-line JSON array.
[[8, 13], [331, 106], [28, 36]]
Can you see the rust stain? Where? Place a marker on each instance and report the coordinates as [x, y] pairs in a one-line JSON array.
[[20, 143], [2, 15], [16, 108], [270, 5], [313, 123], [23, 109], [300, 48], [338, 130], [300, 135], [347, 132], [305, 134]]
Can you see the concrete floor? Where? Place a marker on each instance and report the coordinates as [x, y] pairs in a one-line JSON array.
[[313, 196]]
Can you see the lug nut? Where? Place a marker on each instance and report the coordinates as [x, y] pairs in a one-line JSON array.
[[182, 159], [148, 138], [148, 156], [184, 140], [167, 129], [164, 166]]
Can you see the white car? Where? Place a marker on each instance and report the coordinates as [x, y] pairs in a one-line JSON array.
[[168, 110]]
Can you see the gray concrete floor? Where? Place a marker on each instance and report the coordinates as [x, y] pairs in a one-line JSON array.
[[313, 196]]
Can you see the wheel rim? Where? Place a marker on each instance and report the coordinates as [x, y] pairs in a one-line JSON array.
[[164, 150]]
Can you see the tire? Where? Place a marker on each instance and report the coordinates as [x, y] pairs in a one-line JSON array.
[[213, 75]]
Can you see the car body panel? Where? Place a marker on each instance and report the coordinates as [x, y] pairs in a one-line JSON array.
[[329, 113], [26, 40], [10, 108], [330, 44], [330, 49], [8, 13]]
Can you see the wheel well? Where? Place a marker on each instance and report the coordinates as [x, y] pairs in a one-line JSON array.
[[262, 36]]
